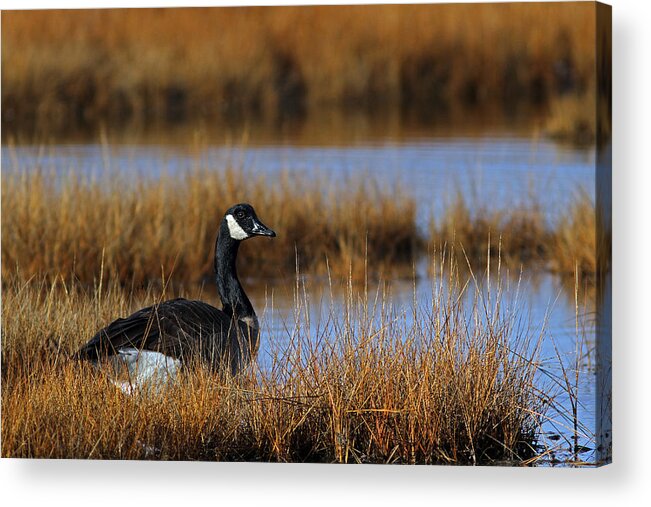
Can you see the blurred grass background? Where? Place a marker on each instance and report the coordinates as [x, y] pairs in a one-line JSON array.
[[68, 69]]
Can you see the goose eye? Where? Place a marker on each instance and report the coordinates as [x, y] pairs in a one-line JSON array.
[[240, 214]]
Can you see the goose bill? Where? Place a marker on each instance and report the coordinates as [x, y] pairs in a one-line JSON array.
[[259, 229]]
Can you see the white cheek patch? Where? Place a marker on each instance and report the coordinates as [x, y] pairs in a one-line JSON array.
[[234, 228]]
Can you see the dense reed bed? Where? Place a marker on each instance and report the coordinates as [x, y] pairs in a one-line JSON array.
[[575, 240], [137, 230], [65, 68], [141, 229], [574, 118], [450, 383], [523, 236], [519, 235]]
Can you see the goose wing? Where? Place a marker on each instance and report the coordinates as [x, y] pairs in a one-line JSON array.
[[175, 328]]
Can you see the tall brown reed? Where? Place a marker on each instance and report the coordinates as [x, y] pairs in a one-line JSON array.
[[452, 383], [70, 67], [574, 118], [523, 236], [575, 240], [139, 229], [518, 236]]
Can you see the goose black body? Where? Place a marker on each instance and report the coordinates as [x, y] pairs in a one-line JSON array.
[[189, 330]]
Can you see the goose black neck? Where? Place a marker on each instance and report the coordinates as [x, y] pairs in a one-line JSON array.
[[234, 300]]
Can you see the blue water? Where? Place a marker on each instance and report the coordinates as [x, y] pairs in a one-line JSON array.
[[487, 170]]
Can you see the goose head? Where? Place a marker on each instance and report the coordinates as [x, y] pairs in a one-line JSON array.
[[242, 223]]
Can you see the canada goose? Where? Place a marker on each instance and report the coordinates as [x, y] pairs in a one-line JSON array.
[[180, 330]]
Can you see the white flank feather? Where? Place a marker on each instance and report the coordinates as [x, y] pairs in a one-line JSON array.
[[147, 370]]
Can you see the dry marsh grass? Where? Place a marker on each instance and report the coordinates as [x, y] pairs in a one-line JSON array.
[[523, 236], [448, 384], [71, 67], [575, 240], [518, 235], [579, 118], [139, 229]]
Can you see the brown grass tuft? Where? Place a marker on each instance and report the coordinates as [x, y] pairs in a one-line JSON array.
[[574, 240], [523, 236], [518, 236], [573, 118]]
